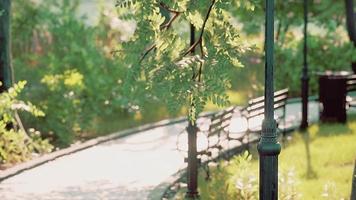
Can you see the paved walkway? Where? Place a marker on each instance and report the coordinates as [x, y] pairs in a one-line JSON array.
[[129, 168]]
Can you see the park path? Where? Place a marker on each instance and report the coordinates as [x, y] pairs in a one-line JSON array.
[[129, 168]]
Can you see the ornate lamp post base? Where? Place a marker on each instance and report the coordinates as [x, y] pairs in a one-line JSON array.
[[269, 149]]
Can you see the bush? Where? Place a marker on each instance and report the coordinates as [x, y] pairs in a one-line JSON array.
[[325, 52], [74, 81], [15, 145], [239, 180]]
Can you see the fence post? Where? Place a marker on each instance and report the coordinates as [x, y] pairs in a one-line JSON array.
[[268, 147]]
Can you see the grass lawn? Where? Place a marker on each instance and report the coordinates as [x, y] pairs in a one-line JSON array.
[[315, 165], [239, 98], [323, 159], [117, 122]]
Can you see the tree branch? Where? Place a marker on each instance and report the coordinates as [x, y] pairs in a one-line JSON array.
[[165, 26], [200, 38], [279, 27], [164, 6], [169, 23], [153, 46]]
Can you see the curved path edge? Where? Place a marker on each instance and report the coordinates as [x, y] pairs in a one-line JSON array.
[[17, 169]]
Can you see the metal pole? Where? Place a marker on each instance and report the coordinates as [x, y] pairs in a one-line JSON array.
[[192, 172], [305, 77], [268, 147], [5, 64]]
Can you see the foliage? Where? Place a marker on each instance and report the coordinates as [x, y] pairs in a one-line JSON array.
[[164, 67], [245, 181], [69, 67], [329, 47], [238, 180], [326, 52], [15, 144], [329, 191], [290, 14], [287, 185]]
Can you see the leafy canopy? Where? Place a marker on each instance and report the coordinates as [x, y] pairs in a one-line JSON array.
[[166, 67]]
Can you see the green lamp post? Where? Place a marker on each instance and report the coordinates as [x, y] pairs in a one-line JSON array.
[[5, 64], [268, 147]]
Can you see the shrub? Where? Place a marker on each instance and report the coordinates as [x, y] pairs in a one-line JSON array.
[[326, 52], [15, 144], [246, 183], [239, 180], [73, 79]]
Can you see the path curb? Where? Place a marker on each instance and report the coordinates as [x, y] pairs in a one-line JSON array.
[[7, 173]]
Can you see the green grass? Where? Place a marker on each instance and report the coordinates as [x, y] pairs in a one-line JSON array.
[[332, 151], [322, 159], [235, 98], [117, 121]]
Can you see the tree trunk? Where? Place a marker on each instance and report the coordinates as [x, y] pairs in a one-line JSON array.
[[5, 59], [351, 20], [351, 25]]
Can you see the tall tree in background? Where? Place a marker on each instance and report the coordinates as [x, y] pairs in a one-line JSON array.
[[351, 24], [5, 61], [351, 20]]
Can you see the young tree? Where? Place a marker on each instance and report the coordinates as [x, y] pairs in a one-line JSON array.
[[162, 66], [179, 69]]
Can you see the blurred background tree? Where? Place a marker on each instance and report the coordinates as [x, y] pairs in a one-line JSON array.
[[329, 45], [5, 63], [68, 66]]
